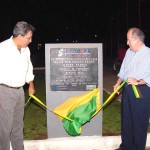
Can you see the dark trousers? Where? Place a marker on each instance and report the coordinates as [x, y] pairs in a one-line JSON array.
[[135, 118]]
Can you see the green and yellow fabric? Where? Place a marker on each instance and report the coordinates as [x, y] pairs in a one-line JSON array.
[[80, 109]]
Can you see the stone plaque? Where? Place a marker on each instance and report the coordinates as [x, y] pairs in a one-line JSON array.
[[73, 69]]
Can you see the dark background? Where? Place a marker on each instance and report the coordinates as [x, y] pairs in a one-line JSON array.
[[76, 21]]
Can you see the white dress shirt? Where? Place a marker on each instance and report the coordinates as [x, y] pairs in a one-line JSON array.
[[15, 66]]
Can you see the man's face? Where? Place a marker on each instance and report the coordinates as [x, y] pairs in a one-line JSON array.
[[132, 42], [26, 40]]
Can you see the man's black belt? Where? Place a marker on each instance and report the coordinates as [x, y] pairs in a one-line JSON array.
[[11, 86]]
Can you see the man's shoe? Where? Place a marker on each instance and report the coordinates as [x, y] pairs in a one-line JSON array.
[[118, 149]]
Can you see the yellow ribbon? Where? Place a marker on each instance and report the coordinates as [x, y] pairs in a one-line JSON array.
[[39, 101], [27, 101], [110, 98], [106, 102], [137, 95]]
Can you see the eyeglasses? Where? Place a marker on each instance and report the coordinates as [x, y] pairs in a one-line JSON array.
[[29, 38]]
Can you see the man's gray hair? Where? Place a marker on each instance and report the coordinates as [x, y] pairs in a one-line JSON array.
[[22, 28], [138, 33]]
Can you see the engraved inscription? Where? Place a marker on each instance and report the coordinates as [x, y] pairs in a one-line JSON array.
[[73, 69]]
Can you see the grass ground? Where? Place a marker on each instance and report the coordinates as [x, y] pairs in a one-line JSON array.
[[35, 124], [111, 117]]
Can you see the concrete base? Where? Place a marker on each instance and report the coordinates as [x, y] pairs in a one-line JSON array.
[[78, 143]]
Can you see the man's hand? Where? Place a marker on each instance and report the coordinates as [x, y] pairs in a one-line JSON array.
[[115, 87], [31, 89], [132, 81], [119, 81]]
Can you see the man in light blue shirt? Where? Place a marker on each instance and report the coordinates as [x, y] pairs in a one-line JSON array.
[[135, 112], [136, 64]]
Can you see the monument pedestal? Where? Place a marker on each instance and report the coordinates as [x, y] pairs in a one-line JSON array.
[[71, 70]]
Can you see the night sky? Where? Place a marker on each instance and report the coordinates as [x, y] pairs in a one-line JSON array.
[[60, 20], [80, 21]]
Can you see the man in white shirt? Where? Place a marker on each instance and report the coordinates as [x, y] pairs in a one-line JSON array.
[[15, 70]]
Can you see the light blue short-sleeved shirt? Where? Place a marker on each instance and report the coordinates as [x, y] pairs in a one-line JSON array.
[[136, 65]]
